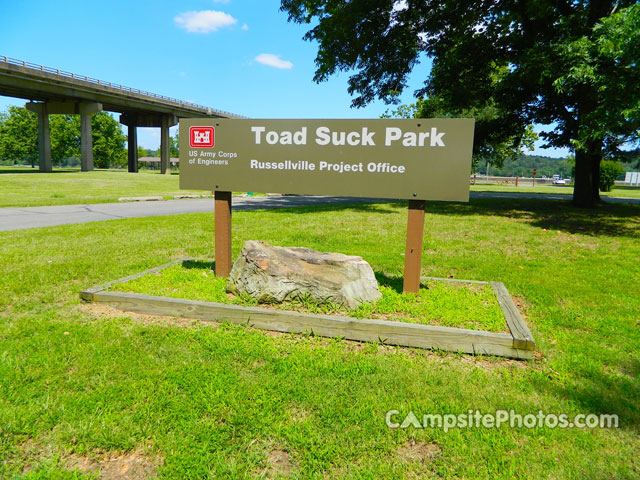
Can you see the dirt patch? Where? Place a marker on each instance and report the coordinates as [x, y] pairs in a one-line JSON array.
[[279, 464], [298, 414], [136, 465], [102, 310], [414, 451], [522, 306], [493, 363], [34, 454], [109, 466], [273, 333], [258, 363]]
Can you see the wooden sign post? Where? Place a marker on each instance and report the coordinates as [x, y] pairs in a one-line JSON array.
[[223, 233], [413, 251]]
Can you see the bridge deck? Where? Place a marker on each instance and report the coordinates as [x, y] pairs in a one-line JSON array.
[[36, 82]]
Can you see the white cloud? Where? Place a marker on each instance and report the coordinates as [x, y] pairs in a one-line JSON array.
[[245, 27], [400, 5], [274, 61], [204, 21]]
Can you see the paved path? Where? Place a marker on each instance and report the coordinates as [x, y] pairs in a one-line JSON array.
[[17, 218], [32, 217]]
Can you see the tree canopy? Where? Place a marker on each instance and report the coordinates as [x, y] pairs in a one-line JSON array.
[[108, 141], [523, 166], [19, 135], [571, 65]]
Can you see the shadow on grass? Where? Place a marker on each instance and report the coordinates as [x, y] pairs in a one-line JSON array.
[[615, 220], [602, 394], [302, 205], [607, 219], [627, 187], [393, 282], [199, 264]]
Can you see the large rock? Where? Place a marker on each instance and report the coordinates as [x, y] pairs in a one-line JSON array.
[[276, 274]]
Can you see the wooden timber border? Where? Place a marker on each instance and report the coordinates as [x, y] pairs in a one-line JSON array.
[[519, 343]]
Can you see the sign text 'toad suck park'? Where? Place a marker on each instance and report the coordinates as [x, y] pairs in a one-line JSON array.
[[421, 159]]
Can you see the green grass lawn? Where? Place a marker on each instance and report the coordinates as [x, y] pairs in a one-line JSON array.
[[25, 187], [443, 303], [184, 400]]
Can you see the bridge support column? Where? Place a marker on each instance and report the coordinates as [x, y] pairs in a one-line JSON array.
[[162, 120], [45, 164], [165, 151], [86, 134], [132, 147], [44, 136]]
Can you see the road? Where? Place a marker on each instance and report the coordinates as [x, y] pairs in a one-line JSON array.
[[18, 218]]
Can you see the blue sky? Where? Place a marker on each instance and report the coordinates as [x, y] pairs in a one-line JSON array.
[[240, 56]]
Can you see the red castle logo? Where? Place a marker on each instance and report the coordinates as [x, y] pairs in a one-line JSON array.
[[202, 137]]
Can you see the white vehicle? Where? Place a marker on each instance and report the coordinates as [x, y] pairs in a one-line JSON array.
[[559, 181]]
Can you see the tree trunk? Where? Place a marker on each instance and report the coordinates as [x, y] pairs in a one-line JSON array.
[[583, 183], [595, 173], [586, 190]]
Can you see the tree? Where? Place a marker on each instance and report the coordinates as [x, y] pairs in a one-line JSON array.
[[108, 140], [174, 149], [523, 166], [19, 136], [571, 65], [610, 170], [65, 138]]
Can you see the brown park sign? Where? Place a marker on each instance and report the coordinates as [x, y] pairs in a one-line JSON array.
[[417, 159]]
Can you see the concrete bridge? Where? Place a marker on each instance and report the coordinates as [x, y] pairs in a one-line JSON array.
[[53, 91]]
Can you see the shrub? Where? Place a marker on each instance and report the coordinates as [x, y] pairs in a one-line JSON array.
[[610, 170]]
